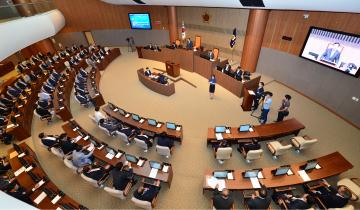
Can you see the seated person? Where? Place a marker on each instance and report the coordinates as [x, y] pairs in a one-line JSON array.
[[7, 183], [79, 159], [147, 192], [149, 47], [221, 144], [211, 55], [45, 104], [246, 75], [157, 48], [44, 113], [4, 165], [14, 93], [127, 131], [4, 111], [109, 124], [330, 196], [162, 79], [222, 199], [94, 171], [238, 73], [98, 115], [227, 69], [3, 121], [165, 141], [49, 140], [84, 100], [287, 199], [66, 145], [145, 138], [121, 176], [19, 193], [147, 72], [261, 199], [189, 44], [6, 101], [253, 145]]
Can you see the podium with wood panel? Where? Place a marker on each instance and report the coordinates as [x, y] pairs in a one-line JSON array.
[[172, 69]]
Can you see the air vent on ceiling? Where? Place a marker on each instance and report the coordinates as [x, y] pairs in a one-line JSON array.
[[139, 2], [252, 3]]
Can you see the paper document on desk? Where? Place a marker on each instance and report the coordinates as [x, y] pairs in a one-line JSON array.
[[77, 139], [28, 169], [10, 126], [165, 168], [13, 154], [213, 181], [86, 138], [289, 173], [227, 131], [91, 147], [21, 155], [110, 156], [141, 121], [260, 175], [153, 173], [219, 136], [304, 175], [19, 171], [255, 182], [230, 175], [118, 155], [40, 198], [56, 199], [178, 128], [158, 125], [251, 129], [140, 162], [251, 92], [127, 115]]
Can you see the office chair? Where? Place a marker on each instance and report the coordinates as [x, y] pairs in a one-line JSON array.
[[252, 154], [141, 144], [43, 118], [119, 193], [123, 137], [277, 149], [68, 163], [223, 153], [164, 151], [57, 152], [302, 142], [146, 204]]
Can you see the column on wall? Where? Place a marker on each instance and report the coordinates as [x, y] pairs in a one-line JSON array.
[[173, 33], [253, 39]]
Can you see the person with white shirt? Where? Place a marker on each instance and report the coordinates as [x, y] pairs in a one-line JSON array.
[[79, 159], [98, 115], [266, 107]]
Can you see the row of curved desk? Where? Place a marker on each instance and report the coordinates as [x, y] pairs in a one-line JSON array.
[[190, 60], [331, 165], [72, 129], [163, 89], [25, 180], [176, 134], [260, 132]]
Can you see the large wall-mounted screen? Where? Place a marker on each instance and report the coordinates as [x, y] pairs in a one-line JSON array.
[[338, 50], [140, 21]]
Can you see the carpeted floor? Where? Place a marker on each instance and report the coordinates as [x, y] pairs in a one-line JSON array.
[[192, 108]]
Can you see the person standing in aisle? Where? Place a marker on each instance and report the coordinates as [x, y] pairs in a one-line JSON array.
[[212, 82], [266, 107], [284, 109]]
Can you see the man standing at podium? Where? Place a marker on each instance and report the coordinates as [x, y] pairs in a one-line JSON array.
[[258, 94]]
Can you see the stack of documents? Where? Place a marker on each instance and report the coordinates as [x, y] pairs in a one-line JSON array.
[[212, 182], [219, 136], [255, 182], [304, 175], [153, 173]]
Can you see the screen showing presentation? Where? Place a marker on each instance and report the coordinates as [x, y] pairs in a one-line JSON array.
[[337, 50], [140, 21]]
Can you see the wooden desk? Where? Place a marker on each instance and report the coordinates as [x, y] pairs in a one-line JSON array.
[[144, 126], [331, 165], [166, 90], [261, 132], [27, 183], [114, 53], [93, 86], [142, 171], [6, 67], [203, 66]]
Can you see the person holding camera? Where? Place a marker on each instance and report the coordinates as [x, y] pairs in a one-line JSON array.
[[266, 107], [284, 109]]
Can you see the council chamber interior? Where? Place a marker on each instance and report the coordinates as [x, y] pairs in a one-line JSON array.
[[156, 104]]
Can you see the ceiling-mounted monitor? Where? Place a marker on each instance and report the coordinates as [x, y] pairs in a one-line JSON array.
[[335, 49], [140, 21]]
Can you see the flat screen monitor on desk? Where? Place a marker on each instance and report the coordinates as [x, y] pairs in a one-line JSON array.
[[171, 126], [251, 173], [152, 122], [244, 128], [131, 158], [110, 150], [310, 165], [282, 170], [121, 111], [135, 117], [220, 129], [112, 106], [220, 174], [156, 165]]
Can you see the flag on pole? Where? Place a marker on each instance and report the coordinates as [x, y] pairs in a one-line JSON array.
[[183, 31], [233, 39]]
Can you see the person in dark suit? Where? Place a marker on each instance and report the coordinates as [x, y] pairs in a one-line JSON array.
[[258, 95], [147, 72], [332, 197], [189, 44], [287, 199], [109, 124], [122, 175], [127, 131], [261, 199], [164, 140], [284, 109], [4, 165], [222, 199], [238, 73], [145, 139], [94, 171], [48, 140], [222, 144], [66, 145], [227, 69], [253, 145], [147, 192], [212, 83], [20, 194], [211, 55], [43, 112], [162, 79]]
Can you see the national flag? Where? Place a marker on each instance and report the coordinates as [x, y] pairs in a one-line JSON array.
[[183, 31], [233, 39]]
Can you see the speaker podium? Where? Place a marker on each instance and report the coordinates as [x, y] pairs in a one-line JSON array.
[[172, 69], [248, 99]]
